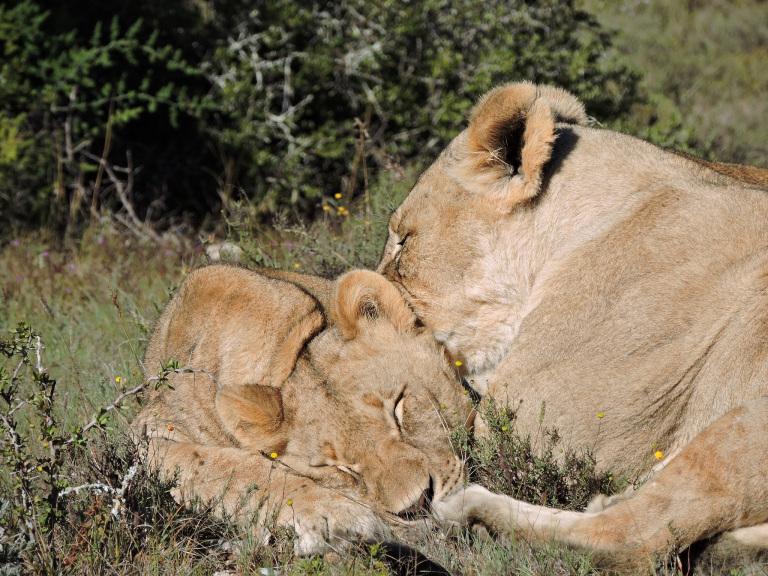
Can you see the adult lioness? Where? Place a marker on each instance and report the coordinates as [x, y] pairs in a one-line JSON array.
[[284, 416], [620, 289]]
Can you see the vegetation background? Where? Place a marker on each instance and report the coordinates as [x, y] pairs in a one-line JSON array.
[[134, 135]]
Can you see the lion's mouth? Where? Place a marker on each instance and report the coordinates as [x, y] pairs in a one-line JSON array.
[[420, 507]]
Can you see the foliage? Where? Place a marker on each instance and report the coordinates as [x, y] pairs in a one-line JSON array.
[[535, 469], [65, 98], [34, 481], [183, 108], [347, 235], [318, 89]]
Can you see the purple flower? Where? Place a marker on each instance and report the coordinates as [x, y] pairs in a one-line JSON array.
[[15, 242], [45, 254]]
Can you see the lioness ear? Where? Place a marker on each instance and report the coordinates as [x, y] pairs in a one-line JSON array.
[[364, 296], [253, 415], [509, 140]]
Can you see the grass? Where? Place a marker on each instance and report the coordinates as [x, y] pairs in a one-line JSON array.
[[703, 68]]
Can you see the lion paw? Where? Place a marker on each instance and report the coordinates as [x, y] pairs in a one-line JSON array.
[[332, 524], [458, 508]]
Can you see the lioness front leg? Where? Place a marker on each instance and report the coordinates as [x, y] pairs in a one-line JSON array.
[[263, 494], [716, 483]]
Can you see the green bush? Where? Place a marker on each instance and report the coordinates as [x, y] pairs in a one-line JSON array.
[[316, 90], [156, 111], [536, 468], [67, 100]]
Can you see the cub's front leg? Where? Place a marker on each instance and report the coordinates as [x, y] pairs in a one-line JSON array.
[[262, 494]]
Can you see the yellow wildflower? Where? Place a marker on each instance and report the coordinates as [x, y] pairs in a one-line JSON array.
[[289, 502], [338, 195], [326, 208], [600, 415], [342, 211], [170, 427], [458, 363], [118, 379], [504, 428], [659, 455], [274, 455], [296, 265]]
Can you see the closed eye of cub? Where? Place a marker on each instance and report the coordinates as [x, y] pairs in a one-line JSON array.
[[399, 407], [349, 470]]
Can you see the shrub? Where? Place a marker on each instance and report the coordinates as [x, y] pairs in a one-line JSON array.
[[535, 469], [315, 90], [182, 108], [67, 100]]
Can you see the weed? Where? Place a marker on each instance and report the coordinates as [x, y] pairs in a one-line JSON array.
[[535, 469]]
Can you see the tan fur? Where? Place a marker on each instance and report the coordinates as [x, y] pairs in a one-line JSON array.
[[267, 373], [319, 288], [363, 295], [633, 286]]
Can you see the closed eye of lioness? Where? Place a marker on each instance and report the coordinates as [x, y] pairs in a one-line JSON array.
[[580, 272], [322, 420]]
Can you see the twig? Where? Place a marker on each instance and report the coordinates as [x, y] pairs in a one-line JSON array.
[[106, 410], [39, 355], [118, 498], [104, 155], [97, 487], [123, 190]]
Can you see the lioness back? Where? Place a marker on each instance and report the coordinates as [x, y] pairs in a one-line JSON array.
[[609, 289]]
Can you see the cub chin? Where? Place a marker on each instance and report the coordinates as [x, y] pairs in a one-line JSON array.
[[301, 402]]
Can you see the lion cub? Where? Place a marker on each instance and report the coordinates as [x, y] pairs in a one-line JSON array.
[[292, 413]]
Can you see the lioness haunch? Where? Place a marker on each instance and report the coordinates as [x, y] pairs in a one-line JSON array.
[[293, 415], [622, 287]]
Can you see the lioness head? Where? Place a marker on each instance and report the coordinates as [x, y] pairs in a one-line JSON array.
[[369, 403], [444, 239]]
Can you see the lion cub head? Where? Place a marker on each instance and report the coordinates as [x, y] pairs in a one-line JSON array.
[[365, 403]]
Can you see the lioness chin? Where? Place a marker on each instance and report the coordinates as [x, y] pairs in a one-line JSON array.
[[290, 414], [608, 289]]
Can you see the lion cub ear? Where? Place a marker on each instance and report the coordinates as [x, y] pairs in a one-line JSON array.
[[509, 140], [363, 296], [253, 415]]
